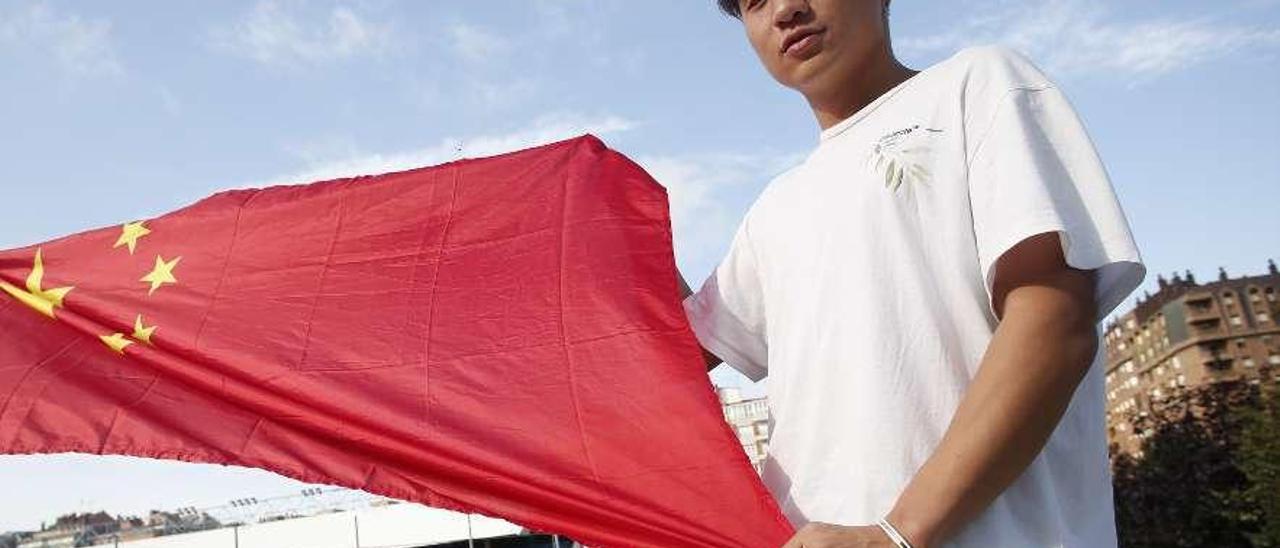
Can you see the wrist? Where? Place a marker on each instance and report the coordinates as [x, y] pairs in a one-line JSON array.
[[917, 531]]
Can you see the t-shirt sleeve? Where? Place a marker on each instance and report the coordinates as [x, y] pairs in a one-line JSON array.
[[1035, 170], [727, 312]]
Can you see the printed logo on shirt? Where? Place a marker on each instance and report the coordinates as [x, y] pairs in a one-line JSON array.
[[902, 156]]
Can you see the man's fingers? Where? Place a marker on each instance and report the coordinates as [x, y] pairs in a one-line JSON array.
[[797, 540]]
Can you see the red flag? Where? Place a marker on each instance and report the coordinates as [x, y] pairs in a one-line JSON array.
[[501, 336]]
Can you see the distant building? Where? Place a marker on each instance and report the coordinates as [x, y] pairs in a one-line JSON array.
[[750, 419], [12, 538], [1189, 334], [70, 530], [317, 517]]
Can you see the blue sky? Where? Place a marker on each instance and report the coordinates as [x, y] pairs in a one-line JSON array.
[[125, 110]]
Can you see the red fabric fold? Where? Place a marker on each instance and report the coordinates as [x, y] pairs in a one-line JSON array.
[[500, 335]]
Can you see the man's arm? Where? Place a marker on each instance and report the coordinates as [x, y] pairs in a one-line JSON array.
[[1042, 348], [711, 359]]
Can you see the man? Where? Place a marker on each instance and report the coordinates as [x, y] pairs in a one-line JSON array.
[[924, 293]]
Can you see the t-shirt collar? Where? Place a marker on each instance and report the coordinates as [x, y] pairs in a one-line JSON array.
[[842, 125]]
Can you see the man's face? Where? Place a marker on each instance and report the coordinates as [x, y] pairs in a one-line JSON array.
[[814, 46]]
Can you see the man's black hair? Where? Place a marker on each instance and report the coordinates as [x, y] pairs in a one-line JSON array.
[[730, 8]]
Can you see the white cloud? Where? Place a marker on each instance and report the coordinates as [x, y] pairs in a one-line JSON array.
[[82, 47], [699, 186], [495, 95], [562, 17], [476, 45], [281, 34], [169, 101], [346, 160], [1082, 36]]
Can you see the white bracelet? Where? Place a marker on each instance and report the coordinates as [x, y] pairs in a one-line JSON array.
[[897, 538]]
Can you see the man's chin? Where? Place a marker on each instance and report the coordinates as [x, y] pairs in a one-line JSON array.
[[807, 79]]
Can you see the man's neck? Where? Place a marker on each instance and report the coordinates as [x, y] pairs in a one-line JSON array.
[[864, 86]]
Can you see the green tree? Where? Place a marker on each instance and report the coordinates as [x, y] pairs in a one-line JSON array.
[[1260, 462], [1187, 488]]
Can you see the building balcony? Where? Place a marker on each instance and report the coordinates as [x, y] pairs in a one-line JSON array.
[[1196, 316], [1197, 297], [1202, 313], [1216, 355], [1206, 329], [1219, 364]]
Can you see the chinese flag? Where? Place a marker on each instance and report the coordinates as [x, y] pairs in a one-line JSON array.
[[500, 335]]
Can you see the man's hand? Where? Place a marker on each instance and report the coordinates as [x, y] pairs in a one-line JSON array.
[[825, 535]]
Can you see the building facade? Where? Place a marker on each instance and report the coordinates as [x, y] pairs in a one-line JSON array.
[[1188, 334], [750, 420]]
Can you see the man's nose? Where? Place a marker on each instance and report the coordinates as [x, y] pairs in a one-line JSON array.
[[786, 12]]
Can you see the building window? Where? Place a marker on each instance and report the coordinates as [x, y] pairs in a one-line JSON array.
[[1273, 359], [1248, 362], [1182, 380], [1263, 317], [1235, 320], [1177, 362]]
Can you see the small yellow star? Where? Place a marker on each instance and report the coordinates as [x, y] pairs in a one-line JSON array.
[[116, 341], [43, 300], [142, 332], [129, 235], [161, 274]]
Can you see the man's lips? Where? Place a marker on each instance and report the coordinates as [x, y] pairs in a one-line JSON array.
[[800, 42]]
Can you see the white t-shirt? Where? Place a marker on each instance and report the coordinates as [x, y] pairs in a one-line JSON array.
[[860, 282]]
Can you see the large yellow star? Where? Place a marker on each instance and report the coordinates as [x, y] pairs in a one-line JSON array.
[[129, 235], [43, 300], [141, 332], [161, 274], [116, 341]]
